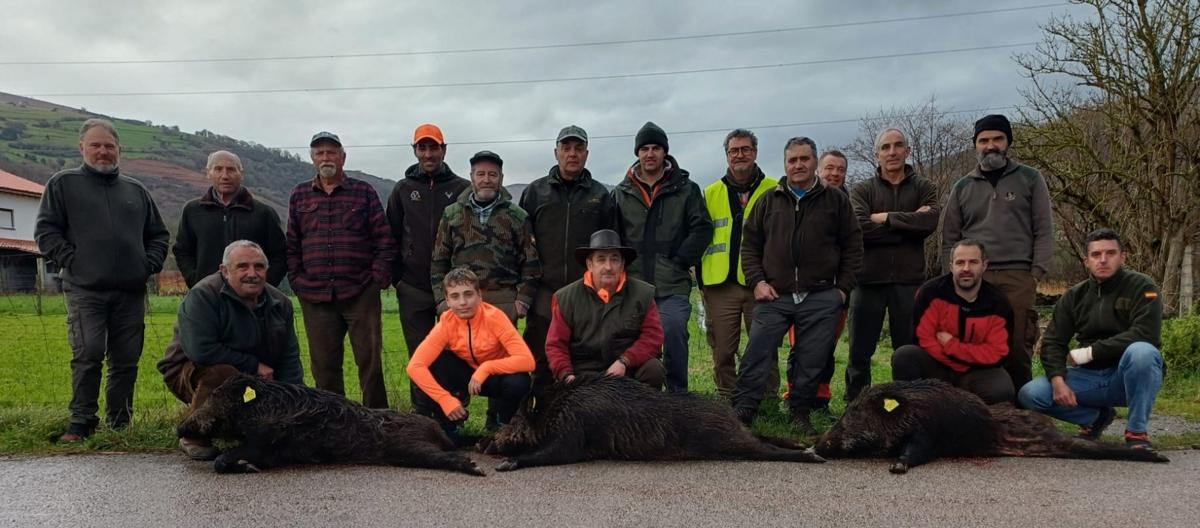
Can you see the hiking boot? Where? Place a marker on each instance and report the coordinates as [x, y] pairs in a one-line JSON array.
[[198, 449], [1138, 441], [745, 415], [75, 434], [1092, 432], [803, 423]]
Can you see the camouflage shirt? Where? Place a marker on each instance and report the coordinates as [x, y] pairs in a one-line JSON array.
[[499, 249]]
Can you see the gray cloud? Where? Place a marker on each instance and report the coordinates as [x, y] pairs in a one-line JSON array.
[[38, 30]]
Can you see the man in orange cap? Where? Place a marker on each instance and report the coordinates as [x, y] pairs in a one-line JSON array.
[[414, 210]]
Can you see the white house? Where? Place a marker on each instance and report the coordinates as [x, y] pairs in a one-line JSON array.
[[19, 256]]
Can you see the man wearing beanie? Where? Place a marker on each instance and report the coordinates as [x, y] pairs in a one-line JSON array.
[[1006, 206], [662, 215]]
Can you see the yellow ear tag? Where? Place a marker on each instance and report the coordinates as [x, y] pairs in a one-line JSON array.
[[890, 405], [249, 395]]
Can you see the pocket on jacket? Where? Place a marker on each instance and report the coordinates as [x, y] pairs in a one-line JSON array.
[[310, 217]]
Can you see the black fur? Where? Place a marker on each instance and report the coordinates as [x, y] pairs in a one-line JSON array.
[[934, 419], [291, 424], [596, 417]]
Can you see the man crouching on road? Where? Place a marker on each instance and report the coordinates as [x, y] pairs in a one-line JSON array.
[[231, 321], [473, 350]]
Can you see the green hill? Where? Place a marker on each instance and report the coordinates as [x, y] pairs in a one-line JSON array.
[[39, 138]]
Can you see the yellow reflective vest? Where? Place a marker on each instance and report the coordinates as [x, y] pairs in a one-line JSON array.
[[714, 265]]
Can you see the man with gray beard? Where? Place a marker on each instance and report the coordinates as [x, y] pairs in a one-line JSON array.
[[1006, 206], [104, 231]]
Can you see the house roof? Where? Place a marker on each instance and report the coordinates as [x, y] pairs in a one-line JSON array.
[[13, 184], [27, 246]]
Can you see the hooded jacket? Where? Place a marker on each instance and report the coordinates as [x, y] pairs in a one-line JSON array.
[[414, 209], [669, 227]]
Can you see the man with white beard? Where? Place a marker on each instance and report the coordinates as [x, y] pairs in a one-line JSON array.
[[485, 232], [1006, 206], [339, 256]]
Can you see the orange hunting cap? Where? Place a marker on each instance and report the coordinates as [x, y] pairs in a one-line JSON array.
[[428, 131]]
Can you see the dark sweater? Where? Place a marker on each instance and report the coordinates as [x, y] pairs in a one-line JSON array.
[[894, 251], [1107, 316], [104, 230], [207, 226]]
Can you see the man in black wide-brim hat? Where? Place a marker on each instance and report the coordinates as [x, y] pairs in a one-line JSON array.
[[606, 322]]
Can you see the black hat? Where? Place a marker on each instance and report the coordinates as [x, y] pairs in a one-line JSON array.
[[650, 134], [993, 122], [323, 136], [604, 239], [572, 131], [489, 156]]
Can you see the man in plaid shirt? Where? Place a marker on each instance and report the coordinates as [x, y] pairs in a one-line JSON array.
[[339, 256]]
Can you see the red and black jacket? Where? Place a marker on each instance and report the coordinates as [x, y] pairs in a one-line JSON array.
[[980, 328]]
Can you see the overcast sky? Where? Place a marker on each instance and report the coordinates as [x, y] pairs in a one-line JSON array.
[[37, 30]]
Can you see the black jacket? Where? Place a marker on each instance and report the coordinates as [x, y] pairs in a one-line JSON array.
[[564, 216], [207, 226], [810, 244], [104, 230], [414, 210], [895, 249]]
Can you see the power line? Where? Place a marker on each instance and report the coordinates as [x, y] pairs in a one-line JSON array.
[[673, 132], [81, 62], [529, 81]]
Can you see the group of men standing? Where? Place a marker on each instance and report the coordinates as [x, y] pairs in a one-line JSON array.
[[603, 278]]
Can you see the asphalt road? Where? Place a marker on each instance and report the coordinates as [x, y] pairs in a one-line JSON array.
[[134, 491]]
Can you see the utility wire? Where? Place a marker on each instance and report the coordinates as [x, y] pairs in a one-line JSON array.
[[528, 81], [83, 62]]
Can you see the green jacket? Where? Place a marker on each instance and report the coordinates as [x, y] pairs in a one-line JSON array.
[[207, 226], [670, 230], [496, 243], [215, 327], [1107, 316], [602, 332]]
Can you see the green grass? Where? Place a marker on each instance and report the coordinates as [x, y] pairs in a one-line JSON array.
[[35, 381]]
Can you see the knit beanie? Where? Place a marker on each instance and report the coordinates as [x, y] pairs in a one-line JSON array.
[[994, 122], [650, 134]]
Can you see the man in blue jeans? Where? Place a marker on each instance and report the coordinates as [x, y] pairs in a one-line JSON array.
[[1116, 317]]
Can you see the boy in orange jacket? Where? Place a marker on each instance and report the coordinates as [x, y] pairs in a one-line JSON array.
[[473, 350]]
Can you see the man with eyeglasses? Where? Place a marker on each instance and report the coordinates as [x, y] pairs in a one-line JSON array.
[[728, 301]]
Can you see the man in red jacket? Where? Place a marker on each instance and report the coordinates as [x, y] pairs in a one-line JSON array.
[[962, 327]]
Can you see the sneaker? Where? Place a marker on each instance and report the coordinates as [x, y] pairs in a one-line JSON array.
[[1092, 432], [1138, 441], [197, 449]]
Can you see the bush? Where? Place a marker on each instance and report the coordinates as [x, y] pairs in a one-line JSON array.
[[1181, 344]]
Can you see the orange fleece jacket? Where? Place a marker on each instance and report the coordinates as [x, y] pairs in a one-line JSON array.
[[488, 342]]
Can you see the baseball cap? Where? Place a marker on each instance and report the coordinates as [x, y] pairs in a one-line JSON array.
[[487, 155], [428, 131], [572, 131], [321, 136]]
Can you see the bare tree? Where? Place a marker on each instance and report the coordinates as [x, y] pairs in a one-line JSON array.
[[941, 151], [1112, 122]]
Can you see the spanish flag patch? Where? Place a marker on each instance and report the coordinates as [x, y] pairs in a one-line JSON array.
[[1151, 295]]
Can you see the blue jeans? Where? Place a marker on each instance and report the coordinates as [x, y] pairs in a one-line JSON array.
[[1133, 383], [674, 311]]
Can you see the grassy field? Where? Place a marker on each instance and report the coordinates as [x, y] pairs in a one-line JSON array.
[[35, 381]]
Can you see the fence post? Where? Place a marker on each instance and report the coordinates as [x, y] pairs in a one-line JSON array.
[[39, 287]]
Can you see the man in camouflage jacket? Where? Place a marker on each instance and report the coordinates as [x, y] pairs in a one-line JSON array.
[[487, 233]]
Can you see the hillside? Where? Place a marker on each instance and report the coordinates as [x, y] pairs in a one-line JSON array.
[[38, 138]]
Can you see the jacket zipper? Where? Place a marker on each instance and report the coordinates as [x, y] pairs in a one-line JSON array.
[[567, 238], [471, 344]]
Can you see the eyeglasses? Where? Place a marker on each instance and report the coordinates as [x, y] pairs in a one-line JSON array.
[[745, 151]]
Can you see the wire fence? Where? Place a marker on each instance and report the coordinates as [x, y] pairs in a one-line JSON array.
[[35, 355]]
